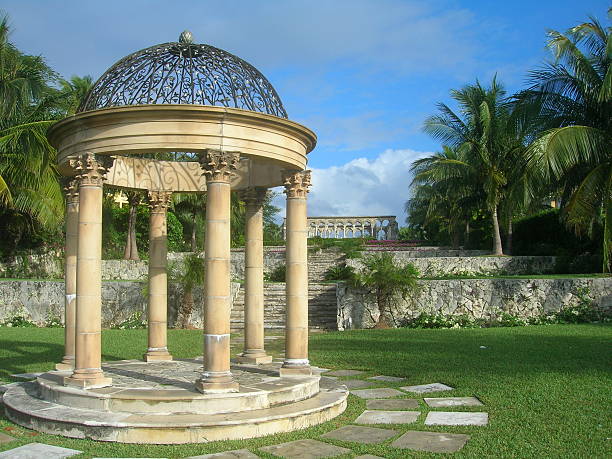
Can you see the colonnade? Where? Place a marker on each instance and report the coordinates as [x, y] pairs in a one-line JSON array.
[[375, 227], [83, 274]]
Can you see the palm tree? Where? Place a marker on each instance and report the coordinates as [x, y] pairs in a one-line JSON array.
[[488, 137], [447, 198], [28, 177], [574, 149]]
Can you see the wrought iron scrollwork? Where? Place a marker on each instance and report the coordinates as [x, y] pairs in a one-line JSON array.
[[184, 73]]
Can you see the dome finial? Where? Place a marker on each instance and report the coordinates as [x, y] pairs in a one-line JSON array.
[[186, 37]]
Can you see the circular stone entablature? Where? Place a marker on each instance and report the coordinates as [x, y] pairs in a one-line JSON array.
[[187, 98]]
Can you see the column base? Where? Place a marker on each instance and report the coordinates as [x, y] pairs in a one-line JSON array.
[[65, 365], [290, 369], [217, 384], [254, 358], [157, 356], [88, 381]]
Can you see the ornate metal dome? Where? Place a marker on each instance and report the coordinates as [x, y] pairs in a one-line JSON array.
[[184, 73]]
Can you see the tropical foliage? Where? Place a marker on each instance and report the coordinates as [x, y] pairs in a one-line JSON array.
[[509, 156]]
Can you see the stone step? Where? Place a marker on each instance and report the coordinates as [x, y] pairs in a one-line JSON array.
[[172, 428]]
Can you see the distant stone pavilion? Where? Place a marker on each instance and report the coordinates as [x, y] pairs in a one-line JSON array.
[[376, 227], [181, 117]]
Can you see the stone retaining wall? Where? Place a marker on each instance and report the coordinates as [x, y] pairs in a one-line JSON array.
[[478, 266], [476, 298], [40, 300]]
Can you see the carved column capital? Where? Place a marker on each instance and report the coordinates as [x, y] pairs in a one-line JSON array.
[[254, 196], [296, 183], [159, 200], [218, 166], [71, 188], [91, 169]]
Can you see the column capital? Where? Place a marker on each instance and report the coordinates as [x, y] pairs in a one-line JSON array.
[[218, 166], [91, 169], [254, 196], [71, 188], [296, 183], [159, 200]]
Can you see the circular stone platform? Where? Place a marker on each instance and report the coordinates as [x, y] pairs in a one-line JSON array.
[[157, 403]]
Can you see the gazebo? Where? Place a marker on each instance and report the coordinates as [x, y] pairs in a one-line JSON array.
[[182, 117]]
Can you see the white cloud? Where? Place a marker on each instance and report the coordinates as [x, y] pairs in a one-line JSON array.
[[362, 186]]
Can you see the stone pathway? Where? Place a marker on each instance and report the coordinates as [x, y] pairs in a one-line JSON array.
[[305, 449], [39, 450]]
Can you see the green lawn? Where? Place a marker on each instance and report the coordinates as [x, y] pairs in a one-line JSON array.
[[546, 388]]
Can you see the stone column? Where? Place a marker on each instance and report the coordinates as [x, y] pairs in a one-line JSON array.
[[253, 274], [218, 167], [158, 277], [88, 365], [72, 227], [296, 286]]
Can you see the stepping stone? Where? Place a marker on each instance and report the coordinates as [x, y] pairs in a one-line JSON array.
[[359, 434], [387, 417], [4, 438], [38, 450], [383, 392], [425, 388], [456, 418], [344, 373], [433, 442], [392, 404], [452, 401], [355, 383], [235, 454], [368, 456], [305, 449], [387, 378], [26, 375]]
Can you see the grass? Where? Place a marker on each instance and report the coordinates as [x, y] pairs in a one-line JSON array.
[[546, 388], [515, 276]]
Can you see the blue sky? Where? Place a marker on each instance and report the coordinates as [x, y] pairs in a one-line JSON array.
[[362, 74]]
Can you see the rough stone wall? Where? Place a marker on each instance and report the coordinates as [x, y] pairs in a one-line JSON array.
[[476, 298], [40, 300], [440, 266]]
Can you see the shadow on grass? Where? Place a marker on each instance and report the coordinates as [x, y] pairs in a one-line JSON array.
[[25, 356]]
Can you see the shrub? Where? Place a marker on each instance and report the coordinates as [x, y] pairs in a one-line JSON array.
[[339, 272], [133, 322], [18, 319], [278, 274]]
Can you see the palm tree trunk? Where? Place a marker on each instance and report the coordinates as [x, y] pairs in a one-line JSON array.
[[509, 238], [131, 248], [193, 232], [497, 244], [383, 320], [455, 239], [466, 244]]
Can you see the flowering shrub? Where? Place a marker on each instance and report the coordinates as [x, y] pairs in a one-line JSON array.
[[19, 319], [131, 323]]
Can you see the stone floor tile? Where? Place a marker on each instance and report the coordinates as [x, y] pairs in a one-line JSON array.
[[344, 373], [383, 392], [234, 454], [387, 378], [4, 438], [425, 388], [39, 450], [456, 418], [452, 401], [392, 404], [355, 383], [433, 442], [387, 417], [359, 434], [305, 449], [368, 456]]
